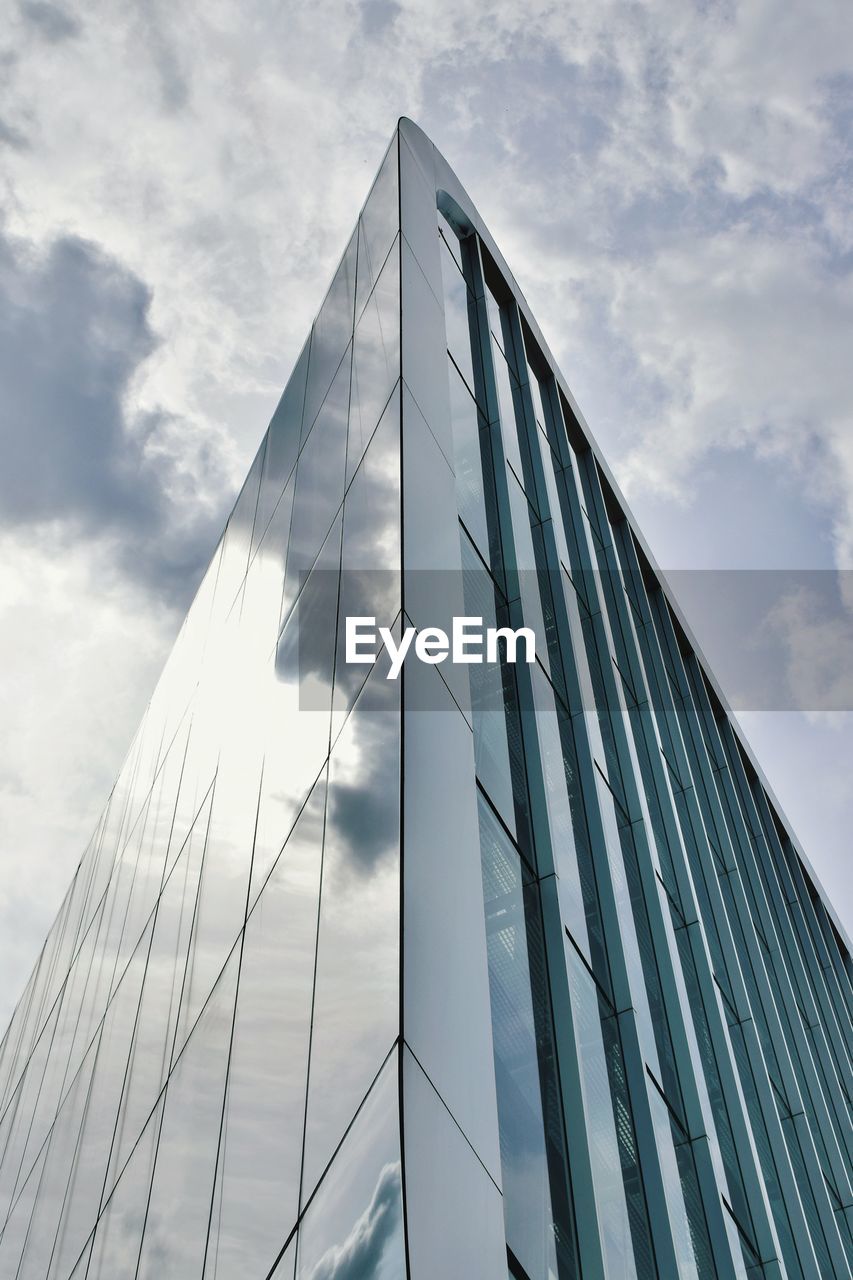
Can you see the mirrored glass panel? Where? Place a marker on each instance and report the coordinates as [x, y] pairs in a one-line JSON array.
[[498, 753], [571, 842], [474, 491], [260, 619], [221, 902], [173, 1244], [287, 1264], [294, 707], [689, 1229], [260, 1154], [154, 845], [115, 1249], [319, 482], [82, 1264], [283, 437], [424, 353], [238, 538], [506, 385], [28, 1118], [154, 1033], [54, 1176], [356, 996], [370, 559], [378, 225], [376, 359], [85, 1187], [354, 1224], [17, 1224], [460, 316], [615, 1171], [330, 335], [454, 1214], [196, 782], [525, 583], [538, 1213]]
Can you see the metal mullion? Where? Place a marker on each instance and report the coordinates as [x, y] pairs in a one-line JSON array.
[[697, 1106], [775, 1030], [732, 1098], [803, 1063], [587, 1228], [821, 1015], [836, 990], [588, 738], [737, 1114]]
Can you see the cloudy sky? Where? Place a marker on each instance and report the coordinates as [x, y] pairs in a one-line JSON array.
[[671, 184]]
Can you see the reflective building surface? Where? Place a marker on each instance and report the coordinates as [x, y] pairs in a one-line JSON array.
[[488, 971]]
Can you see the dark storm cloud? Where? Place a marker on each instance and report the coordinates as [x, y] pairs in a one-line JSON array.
[[51, 21], [363, 816], [74, 329]]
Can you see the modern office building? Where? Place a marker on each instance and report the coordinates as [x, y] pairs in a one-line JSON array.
[[491, 970]]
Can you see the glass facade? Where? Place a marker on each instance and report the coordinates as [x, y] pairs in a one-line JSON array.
[[508, 970]]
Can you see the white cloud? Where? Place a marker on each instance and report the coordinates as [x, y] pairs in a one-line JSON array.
[[749, 334], [81, 649], [818, 642], [667, 183], [371, 1235]]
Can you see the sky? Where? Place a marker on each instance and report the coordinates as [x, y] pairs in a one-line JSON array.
[[672, 186]]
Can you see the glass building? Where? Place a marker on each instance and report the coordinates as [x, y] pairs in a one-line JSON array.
[[487, 971]]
